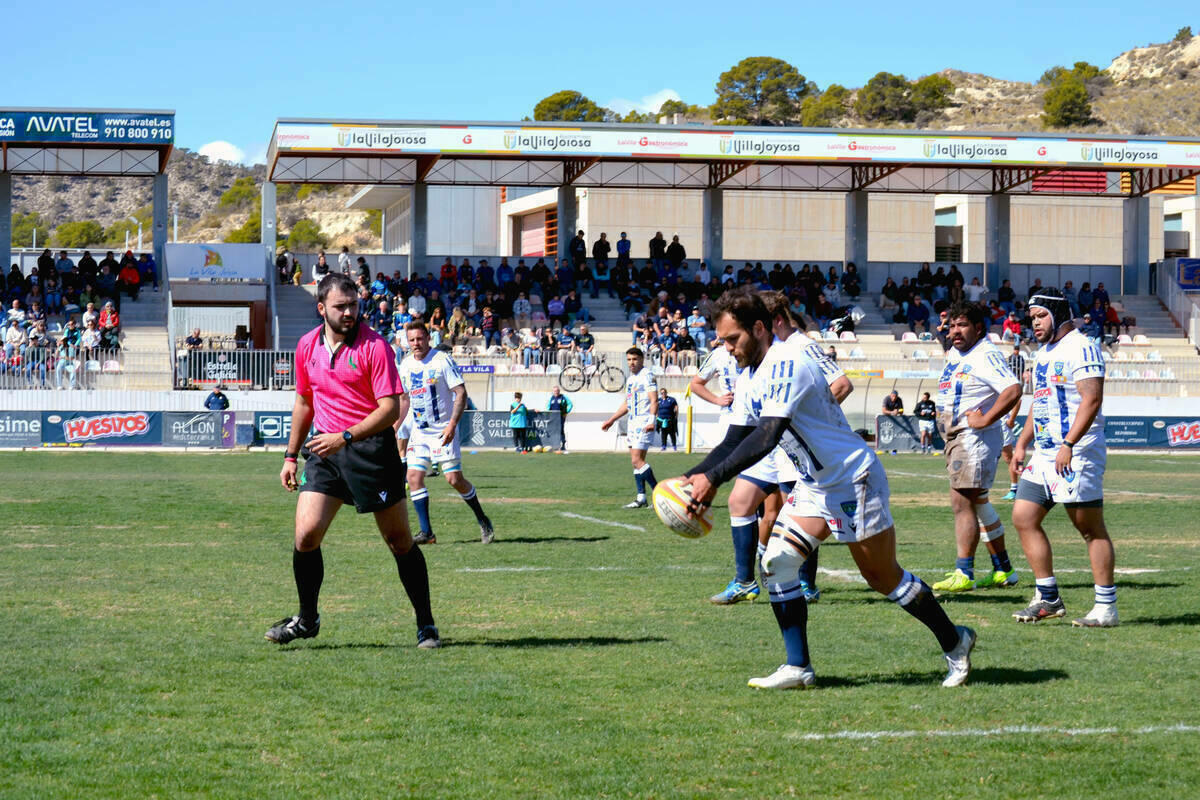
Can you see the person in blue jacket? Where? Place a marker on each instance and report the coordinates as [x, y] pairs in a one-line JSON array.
[[518, 421]]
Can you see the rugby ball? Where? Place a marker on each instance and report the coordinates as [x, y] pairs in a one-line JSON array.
[[671, 500]]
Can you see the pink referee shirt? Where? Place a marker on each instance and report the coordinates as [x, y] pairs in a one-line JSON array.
[[344, 386]]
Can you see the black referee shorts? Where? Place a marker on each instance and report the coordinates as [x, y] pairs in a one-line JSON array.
[[367, 473]]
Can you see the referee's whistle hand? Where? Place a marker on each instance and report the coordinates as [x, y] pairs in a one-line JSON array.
[[324, 444], [287, 476]]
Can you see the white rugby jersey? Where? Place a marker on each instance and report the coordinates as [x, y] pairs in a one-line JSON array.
[[640, 389], [1056, 368], [789, 383], [429, 382], [829, 367], [721, 364], [971, 380]]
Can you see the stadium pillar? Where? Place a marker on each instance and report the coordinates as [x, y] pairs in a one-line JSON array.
[[997, 241], [1135, 260], [267, 235], [6, 220], [857, 223], [714, 229], [159, 223], [419, 217], [568, 213]]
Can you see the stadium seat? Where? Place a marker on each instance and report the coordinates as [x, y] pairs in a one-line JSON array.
[[994, 338], [1150, 375], [814, 335], [925, 336], [538, 319], [673, 370], [1122, 356], [1124, 338], [1168, 374], [690, 370], [537, 369], [830, 336], [1141, 340], [857, 352], [500, 369], [535, 300], [554, 369], [1104, 354], [920, 354], [111, 367], [519, 369], [908, 336], [848, 336], [1138, 355], [1154, 355]]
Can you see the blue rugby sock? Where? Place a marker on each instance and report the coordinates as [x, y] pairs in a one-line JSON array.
[[966, 565], [1048, 588], [420, 499], [745, 546], [641, 483], [792, 616], [915, 597], [1000, 562], [808, 570]]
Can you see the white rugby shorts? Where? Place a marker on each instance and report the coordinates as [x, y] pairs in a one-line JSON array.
[[425, 446], [637, 436], [971, 458], [1010, 435], [1083, 484], [853, 511]]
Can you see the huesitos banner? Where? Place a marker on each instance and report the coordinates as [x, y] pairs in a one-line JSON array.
[[111, 428]]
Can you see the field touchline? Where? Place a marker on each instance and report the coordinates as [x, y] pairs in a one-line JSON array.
[[569, 515], [1008, 730]]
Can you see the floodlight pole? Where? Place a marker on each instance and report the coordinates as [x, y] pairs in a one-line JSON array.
[[139, 224]]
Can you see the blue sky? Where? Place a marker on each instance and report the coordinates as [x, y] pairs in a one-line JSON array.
[[230, 69]]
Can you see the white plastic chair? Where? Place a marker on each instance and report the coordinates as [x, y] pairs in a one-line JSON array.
[[1154, 355], [1139, 356], [920, 355], [830, 336], [537, 369], [690, 370], [554, 369], [500, 369], [1140, 340], [848, 336], [1124, 338], [857, 352], [519, 369], [908, 336], [1122, 355]]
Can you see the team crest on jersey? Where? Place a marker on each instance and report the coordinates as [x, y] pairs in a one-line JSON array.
[[850, 509], [350, 359]]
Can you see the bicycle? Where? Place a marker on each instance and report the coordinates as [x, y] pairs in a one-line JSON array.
[[574, 377]]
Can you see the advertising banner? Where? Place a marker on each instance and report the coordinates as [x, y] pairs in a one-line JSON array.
[[216, 262], [272, 427], [108, 428], [1189, 274], [20, 429], [902, 434], [265, 368], [187, 429], [228, 429], [923, 148], [476, 369], [490, 429], [1157, 432], [82, 127]]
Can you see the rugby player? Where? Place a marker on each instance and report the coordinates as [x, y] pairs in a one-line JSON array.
[[975, 392], [789, 404], [348, 392], [1066, 428], [438, 396], [641, 403]]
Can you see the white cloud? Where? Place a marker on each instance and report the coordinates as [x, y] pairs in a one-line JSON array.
[[257, 156], [223, 151], [649, 103]]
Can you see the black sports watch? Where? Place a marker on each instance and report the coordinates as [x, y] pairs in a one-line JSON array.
[[347, 437], [1068, 445]]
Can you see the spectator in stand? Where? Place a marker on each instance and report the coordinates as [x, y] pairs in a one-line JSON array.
[[832, 354], [658, 251], [822, 311], [941, 284], [17, 314], [448, 274], [485, 276], [556, 311], [90, 313], [109, 261], [380, 320], [564, 345], [365, 305], [573, 306], [1085, 297], [924, 279], [1091, 328], [37, 356], [887, 295], [459, 327], [975, 291], [577, 250], [697, 328], [504, 273], [623, 248], [400, 318], [216, 400], [565, 276], [66, 360], [1005, 295], [148, 270], [129, 280], [90, 339], [64, 263], [53, 297], [194, 342], [1102, 293], [522, 310], [1072, 297], [530, 345], [343, 260], [918, 314], [1036, 288], [487, 327], [668, 347], [379, 288], [15, 340], [106, 285], [437, 327], [518, 423], [560, 405], [585, 345], [1016, 365], [283, 267], [893, 406], [109, 318], [320, 269], [417, 305], [600, 250], [685, 347], [995, 314], [1012, 329], [851, 285], [675, 253], [631, 299], [703, 275], [926, 414], [666, 419], [643, 330]]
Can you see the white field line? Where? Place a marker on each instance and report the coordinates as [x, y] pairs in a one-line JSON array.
[[942, 477], [1008, 730], [570, 515]]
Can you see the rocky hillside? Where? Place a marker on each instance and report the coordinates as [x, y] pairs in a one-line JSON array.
[[1152, 90]]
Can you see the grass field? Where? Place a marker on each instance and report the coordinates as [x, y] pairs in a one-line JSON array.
[[580, 659]]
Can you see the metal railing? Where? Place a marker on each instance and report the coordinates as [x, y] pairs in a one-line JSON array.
[[243, 369], [84, 368], [1183, 307]]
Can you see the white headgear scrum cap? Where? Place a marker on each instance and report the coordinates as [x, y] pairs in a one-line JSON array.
[[1053, 301]]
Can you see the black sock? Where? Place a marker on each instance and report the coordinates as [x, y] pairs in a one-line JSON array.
[[792, 616], [415, 577], [472, 501], [309, 570], [808, 570], [648, 476], [915, 597]]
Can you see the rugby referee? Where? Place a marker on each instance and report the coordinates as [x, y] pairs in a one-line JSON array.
[[348, 390]]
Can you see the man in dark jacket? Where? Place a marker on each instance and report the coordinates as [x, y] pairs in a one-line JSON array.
[[578, 250], [675, 253]]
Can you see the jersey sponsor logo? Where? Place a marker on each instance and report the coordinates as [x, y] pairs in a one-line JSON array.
[[1041, 394], [84, 429]]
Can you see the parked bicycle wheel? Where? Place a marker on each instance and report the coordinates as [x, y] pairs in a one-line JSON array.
[[612, 379], [571, 379]]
